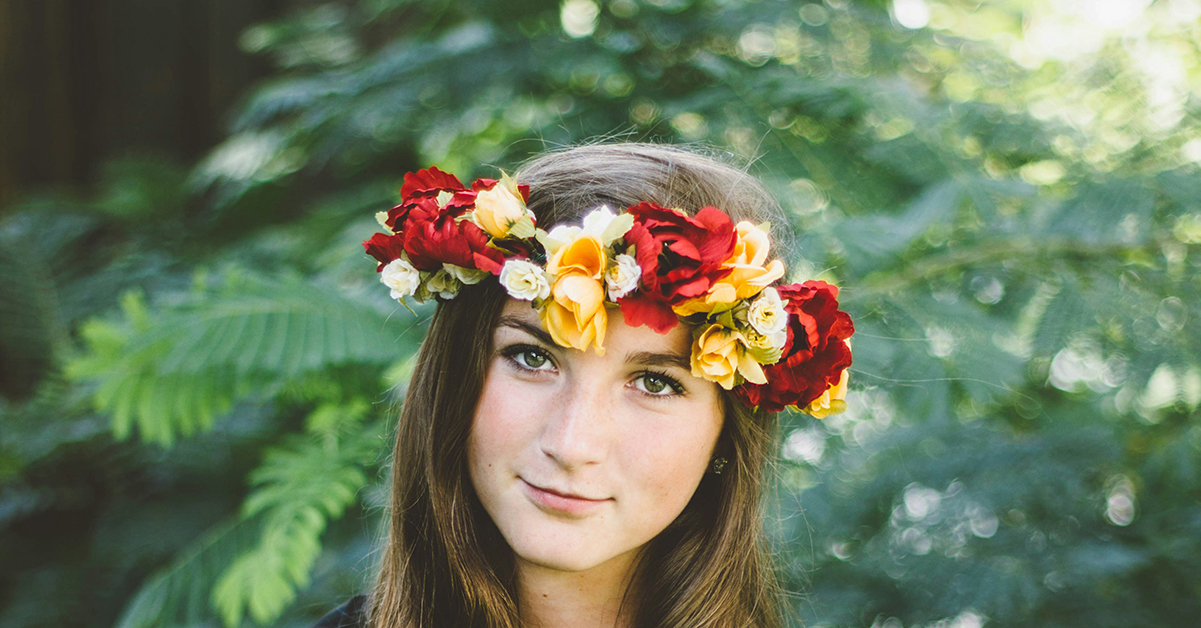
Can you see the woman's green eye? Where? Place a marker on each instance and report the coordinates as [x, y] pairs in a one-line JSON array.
[[654, 384], [532, 359], [528, 357], [659, 385]]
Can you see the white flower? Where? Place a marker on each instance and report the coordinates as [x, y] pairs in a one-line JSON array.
[[557, 237], [597, 219], [601, 223], [443, 284], [766, 314], [469, 276], [525, 280], [622, 277], [401, 277], [606, 226]]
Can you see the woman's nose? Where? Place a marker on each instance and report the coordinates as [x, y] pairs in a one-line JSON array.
[[579, 427]]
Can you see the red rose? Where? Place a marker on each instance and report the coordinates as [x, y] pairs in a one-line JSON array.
[[433, 237], [384, 247], [815, 354], [428, 230], [680, 258], [428, 182], [422, 188]]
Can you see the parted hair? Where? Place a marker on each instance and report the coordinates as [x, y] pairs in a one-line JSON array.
[[444, 564]]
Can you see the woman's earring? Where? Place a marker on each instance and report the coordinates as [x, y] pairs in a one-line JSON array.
[[718, 465]]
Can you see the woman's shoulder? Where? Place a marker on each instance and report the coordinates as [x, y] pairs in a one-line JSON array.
[[352, 614]]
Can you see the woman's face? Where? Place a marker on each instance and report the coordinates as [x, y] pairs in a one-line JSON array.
[[631, 431]]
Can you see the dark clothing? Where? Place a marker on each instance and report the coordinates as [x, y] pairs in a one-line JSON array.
[[352, 614]]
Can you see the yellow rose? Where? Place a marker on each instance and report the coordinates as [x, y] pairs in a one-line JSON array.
[[832, 401], [501, 212], [575, 314], [719, 354], [585, 255], [748, 276]]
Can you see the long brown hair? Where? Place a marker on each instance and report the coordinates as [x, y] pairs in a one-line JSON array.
[[444, 562]]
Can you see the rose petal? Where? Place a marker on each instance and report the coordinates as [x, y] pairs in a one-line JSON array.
[[384, 248], [428, 181], [638, 309]]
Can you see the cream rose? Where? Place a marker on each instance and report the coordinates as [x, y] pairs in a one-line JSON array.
[[766, 313], [765, 349], [401, 277], [558, 237], [525, 280], [622, 277], [500, 212], [443, 284], [469, 276]]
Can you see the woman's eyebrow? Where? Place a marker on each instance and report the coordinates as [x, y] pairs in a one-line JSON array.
[[650, 358], [529, 328]]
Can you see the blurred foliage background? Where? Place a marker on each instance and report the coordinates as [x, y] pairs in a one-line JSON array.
[[195, 357]]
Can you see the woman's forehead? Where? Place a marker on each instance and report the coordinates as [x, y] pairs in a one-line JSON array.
[[519, 314]]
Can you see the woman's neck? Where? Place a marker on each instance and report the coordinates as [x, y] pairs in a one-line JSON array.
[[580, 599]]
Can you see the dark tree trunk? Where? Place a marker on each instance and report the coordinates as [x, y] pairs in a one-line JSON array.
[[83, 80]]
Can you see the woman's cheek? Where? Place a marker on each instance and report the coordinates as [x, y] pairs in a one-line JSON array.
[[669, 463], [505, 415]]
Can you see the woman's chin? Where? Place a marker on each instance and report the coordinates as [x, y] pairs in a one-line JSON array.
[[557, 553], [556, 560], [561, 550]]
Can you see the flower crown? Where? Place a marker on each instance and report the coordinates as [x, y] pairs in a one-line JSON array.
[[774, 347]]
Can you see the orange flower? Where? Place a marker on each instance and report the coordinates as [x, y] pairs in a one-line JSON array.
[[748, 273], [719, 354], [583, 255], [575, 314]]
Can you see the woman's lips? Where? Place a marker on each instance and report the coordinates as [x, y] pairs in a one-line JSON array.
[[557, 503]]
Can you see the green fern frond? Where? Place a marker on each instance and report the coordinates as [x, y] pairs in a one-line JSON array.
[[171, 372], [179, 593], [300, 487], [263, 582]]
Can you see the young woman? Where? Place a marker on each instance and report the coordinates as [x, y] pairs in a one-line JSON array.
[[586, 435]]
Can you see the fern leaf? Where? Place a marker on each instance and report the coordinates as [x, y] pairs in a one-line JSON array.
[[299, 488], [178, 594], [170, 372]]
